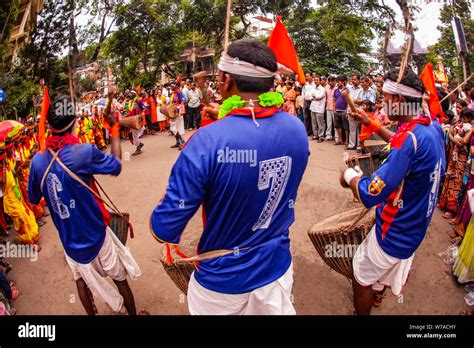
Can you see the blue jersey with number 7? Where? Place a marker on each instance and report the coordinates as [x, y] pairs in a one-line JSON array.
[[247, 177]]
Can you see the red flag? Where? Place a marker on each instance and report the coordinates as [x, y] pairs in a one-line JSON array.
[[284, 50], [427, 77], [44, 112]]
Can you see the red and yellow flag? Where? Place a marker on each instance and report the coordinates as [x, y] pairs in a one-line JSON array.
[[284, 50]]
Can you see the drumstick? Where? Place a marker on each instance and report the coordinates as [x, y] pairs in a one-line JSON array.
[[199, 78], [459, 86]]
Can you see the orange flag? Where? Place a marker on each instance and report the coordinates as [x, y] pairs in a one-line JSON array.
[[44, 112], [138, 89], [427, 77], [284, 50]]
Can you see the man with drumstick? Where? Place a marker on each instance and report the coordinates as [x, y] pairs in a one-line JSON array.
[[404, 190], [92, 251], [245, 169]]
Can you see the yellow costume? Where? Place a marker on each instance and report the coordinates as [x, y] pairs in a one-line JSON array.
[[464, 264], [23, 219]]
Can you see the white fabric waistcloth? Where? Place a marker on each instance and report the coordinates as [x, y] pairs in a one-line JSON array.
[[373, 266], [114, 260], [272, 299]]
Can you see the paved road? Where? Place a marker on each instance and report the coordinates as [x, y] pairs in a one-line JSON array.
[[47, 286]]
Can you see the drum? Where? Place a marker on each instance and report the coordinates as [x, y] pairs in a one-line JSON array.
[[133, 122], [180, 273], [170, 111], [368, 163], [119, 227], [336, 238]]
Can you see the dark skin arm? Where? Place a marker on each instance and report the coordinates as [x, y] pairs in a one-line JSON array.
[[362, 118]]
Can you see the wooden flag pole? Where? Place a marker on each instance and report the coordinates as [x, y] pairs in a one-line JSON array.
[[459, 86], [227, 24]]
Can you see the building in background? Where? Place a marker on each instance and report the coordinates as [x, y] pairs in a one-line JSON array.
[[20, 33], [197, 59]]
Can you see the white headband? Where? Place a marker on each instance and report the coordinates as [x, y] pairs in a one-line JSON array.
[[239, 67], [392, 87]]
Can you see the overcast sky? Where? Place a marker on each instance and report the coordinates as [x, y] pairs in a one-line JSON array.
[[426, 21]]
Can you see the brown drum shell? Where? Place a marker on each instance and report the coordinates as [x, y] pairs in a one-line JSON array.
[[180, 273], [337, 229], [170, 111], [133, 122]]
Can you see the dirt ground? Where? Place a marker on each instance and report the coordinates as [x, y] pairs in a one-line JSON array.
[[47, 285]]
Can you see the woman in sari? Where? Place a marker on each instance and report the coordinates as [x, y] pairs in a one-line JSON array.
[[458, 157], [290, 97]]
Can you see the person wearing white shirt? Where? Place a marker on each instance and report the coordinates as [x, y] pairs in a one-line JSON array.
[[317, 107], [353, 125], [307, 97]]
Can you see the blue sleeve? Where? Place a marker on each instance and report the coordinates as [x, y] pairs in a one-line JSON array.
[[5, 285], [185, 192], [103, 163], [385, 180], [34, 189]]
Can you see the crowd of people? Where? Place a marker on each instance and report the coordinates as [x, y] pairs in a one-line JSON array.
[[321, 105]]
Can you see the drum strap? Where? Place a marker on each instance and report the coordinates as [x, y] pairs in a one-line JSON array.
[[73, 175], [208, 255]]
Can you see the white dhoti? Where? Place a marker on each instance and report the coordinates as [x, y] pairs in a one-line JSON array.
[[136, 134], [271, 299], [114, 260], [160, 116], [177, 125], [373, 266]]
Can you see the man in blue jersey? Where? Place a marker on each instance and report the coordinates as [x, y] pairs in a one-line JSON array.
[[245, 170], [92, 250], [404, 190]]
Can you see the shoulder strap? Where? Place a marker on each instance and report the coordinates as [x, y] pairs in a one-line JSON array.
[[73, 175], [55, 155]]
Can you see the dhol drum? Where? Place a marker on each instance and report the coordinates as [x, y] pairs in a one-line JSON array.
[[180, 273], [336, 238], [170, 111], [133, 122]]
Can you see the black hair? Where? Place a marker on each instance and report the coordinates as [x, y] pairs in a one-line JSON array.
[[365, 78], [449, 114], [331, 79], [467, 113], [317, 75], [472, 94], [370, 104], [341, 78], [357, 76], [409, 79], [467, 87], [61, 113], [462, 102], [259, 54]]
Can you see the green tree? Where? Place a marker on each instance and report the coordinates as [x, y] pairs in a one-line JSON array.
[[445, 48]]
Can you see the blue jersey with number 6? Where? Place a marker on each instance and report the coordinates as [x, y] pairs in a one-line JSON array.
[[247, 179]]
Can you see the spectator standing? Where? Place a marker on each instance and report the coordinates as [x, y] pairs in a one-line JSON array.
[[317, 107]]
